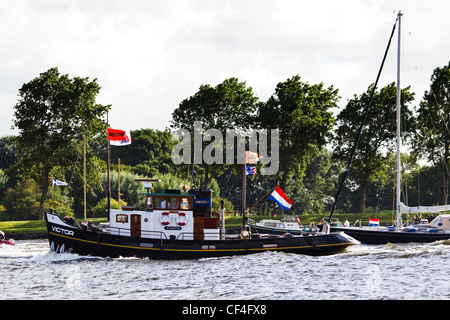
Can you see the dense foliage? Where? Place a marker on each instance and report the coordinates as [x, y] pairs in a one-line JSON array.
[[54, 112]]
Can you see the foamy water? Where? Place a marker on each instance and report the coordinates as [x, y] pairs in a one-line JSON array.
[[393, 271]]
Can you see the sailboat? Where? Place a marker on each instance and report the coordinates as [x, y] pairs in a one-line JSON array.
[[437, 229]]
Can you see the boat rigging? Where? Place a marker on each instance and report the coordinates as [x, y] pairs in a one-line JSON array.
[[437, 229]]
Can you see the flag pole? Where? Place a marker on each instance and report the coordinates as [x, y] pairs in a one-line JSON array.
[[244, 180], [118, 185], [84, 175], [52, 193], [243, 193], [107, 152]]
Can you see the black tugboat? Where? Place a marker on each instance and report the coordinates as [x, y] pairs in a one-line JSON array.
[[178, 225]]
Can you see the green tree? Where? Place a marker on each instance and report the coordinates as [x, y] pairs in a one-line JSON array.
[[147, 145], [53, 111], [314, 194], [7, 152], [432, 139], [302, 113], [101, 208], [22, 201], [129, 188], [229, 105], [378, 136]]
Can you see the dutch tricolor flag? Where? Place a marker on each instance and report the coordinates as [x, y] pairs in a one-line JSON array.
[[374, 222], [279, 197]]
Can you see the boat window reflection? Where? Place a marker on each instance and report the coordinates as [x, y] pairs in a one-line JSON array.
[[160, 202], [184, 203], [149, 203], [122, 218], [173, 203]]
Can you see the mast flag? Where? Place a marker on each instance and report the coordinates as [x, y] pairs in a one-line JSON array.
[[119, 137], [251, 171], [251, 157], [59, 183]]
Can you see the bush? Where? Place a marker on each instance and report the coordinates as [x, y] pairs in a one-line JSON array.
[[22, 202], [101, 209]]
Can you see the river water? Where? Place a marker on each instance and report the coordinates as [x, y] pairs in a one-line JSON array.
[[392, 271]]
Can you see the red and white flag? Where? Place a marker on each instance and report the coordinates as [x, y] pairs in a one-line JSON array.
[[119, 137], [374, 222]]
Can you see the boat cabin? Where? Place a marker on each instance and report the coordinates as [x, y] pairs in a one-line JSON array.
[[169, 215], [287, 222]]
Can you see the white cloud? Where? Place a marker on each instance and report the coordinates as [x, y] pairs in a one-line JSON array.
[[150, 55]]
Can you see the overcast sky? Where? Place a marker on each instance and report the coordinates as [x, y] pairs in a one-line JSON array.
[[150, 55]]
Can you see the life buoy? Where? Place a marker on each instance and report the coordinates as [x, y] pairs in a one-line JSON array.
[[182, 219], [245, 234], [165, 218]]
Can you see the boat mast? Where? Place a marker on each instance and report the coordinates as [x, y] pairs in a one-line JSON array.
[[244, 182], [399, 142], [361, 127]]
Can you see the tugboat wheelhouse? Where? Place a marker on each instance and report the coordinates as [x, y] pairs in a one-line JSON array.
[[169, 215]]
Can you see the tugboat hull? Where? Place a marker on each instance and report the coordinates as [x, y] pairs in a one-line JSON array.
[[65, 238]]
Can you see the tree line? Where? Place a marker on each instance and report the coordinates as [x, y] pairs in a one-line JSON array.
[[54, 113]]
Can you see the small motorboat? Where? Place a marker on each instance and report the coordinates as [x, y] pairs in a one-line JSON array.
[[288, 224]]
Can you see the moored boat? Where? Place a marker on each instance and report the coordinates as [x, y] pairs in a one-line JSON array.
[[178, 225], [436, 230], [288, 224]]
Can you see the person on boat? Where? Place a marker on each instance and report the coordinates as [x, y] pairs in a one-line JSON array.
[[2, 235], [313, 227], [91, 226], [346, 223]]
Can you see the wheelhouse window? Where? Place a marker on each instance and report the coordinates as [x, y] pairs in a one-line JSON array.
[[160, 202], [184, 204], [173, 203], [122, 218], [169, 202], [149, 203], [269, 224]]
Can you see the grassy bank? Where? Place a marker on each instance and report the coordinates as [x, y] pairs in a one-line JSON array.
[[36, 229], [31, 229]]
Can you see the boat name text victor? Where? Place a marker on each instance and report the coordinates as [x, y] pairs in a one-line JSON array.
[[62, 231]]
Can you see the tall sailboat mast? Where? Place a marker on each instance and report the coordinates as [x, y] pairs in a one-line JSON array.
[[399, 142]]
